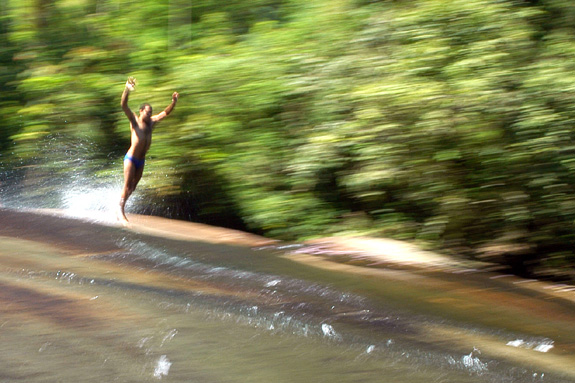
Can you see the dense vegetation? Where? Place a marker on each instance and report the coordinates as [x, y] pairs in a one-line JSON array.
[[448, 122]]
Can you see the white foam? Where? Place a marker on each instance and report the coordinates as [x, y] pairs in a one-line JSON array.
[[515, 343], [273, 283], [544, 346], [473, 363], [171, 334], [162, 367], [329, 332]]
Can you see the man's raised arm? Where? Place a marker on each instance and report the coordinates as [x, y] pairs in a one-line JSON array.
[[130, 84], [168, 109]]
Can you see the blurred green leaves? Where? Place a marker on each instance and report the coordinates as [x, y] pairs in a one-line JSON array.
[[445, 121]]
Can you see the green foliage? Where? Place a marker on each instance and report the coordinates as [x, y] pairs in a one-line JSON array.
[[445, 121]]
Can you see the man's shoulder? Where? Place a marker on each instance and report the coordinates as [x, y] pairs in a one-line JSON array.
[[133, 118]]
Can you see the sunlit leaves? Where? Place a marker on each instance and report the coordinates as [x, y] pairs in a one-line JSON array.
[[447, 121]]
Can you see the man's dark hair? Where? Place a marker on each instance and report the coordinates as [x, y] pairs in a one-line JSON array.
[[143, 106]]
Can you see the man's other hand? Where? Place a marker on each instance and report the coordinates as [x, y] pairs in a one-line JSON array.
[[131, 84]]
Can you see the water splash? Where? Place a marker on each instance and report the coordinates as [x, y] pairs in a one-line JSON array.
[[92, 203], [473, 363], [329, 332], [162, 367], [273, 283], [470, 362], [539, 346], [171, 334]]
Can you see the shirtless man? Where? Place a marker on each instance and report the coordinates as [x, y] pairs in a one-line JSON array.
[[141, 127]]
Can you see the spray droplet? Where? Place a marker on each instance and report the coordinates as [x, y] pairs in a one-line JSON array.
[[162, 367]]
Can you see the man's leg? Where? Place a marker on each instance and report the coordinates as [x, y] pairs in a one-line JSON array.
[[130, 182], [138, 176]]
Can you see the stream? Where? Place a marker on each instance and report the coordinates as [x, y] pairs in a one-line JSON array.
[[84, 301]]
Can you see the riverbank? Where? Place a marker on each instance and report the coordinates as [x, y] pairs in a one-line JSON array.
[[364, 251]]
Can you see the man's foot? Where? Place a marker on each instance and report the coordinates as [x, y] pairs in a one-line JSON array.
[[121, 217]]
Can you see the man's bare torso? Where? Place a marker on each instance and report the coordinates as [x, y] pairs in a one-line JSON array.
[[141, 138]]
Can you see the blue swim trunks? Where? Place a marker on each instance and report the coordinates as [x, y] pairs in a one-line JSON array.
[[137, 163]]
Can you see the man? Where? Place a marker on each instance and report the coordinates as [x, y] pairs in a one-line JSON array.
[[141, 127]]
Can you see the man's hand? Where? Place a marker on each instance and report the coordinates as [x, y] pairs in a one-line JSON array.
[[131, 84], [168, 110]]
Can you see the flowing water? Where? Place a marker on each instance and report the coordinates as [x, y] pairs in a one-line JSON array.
[[85, 302]]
